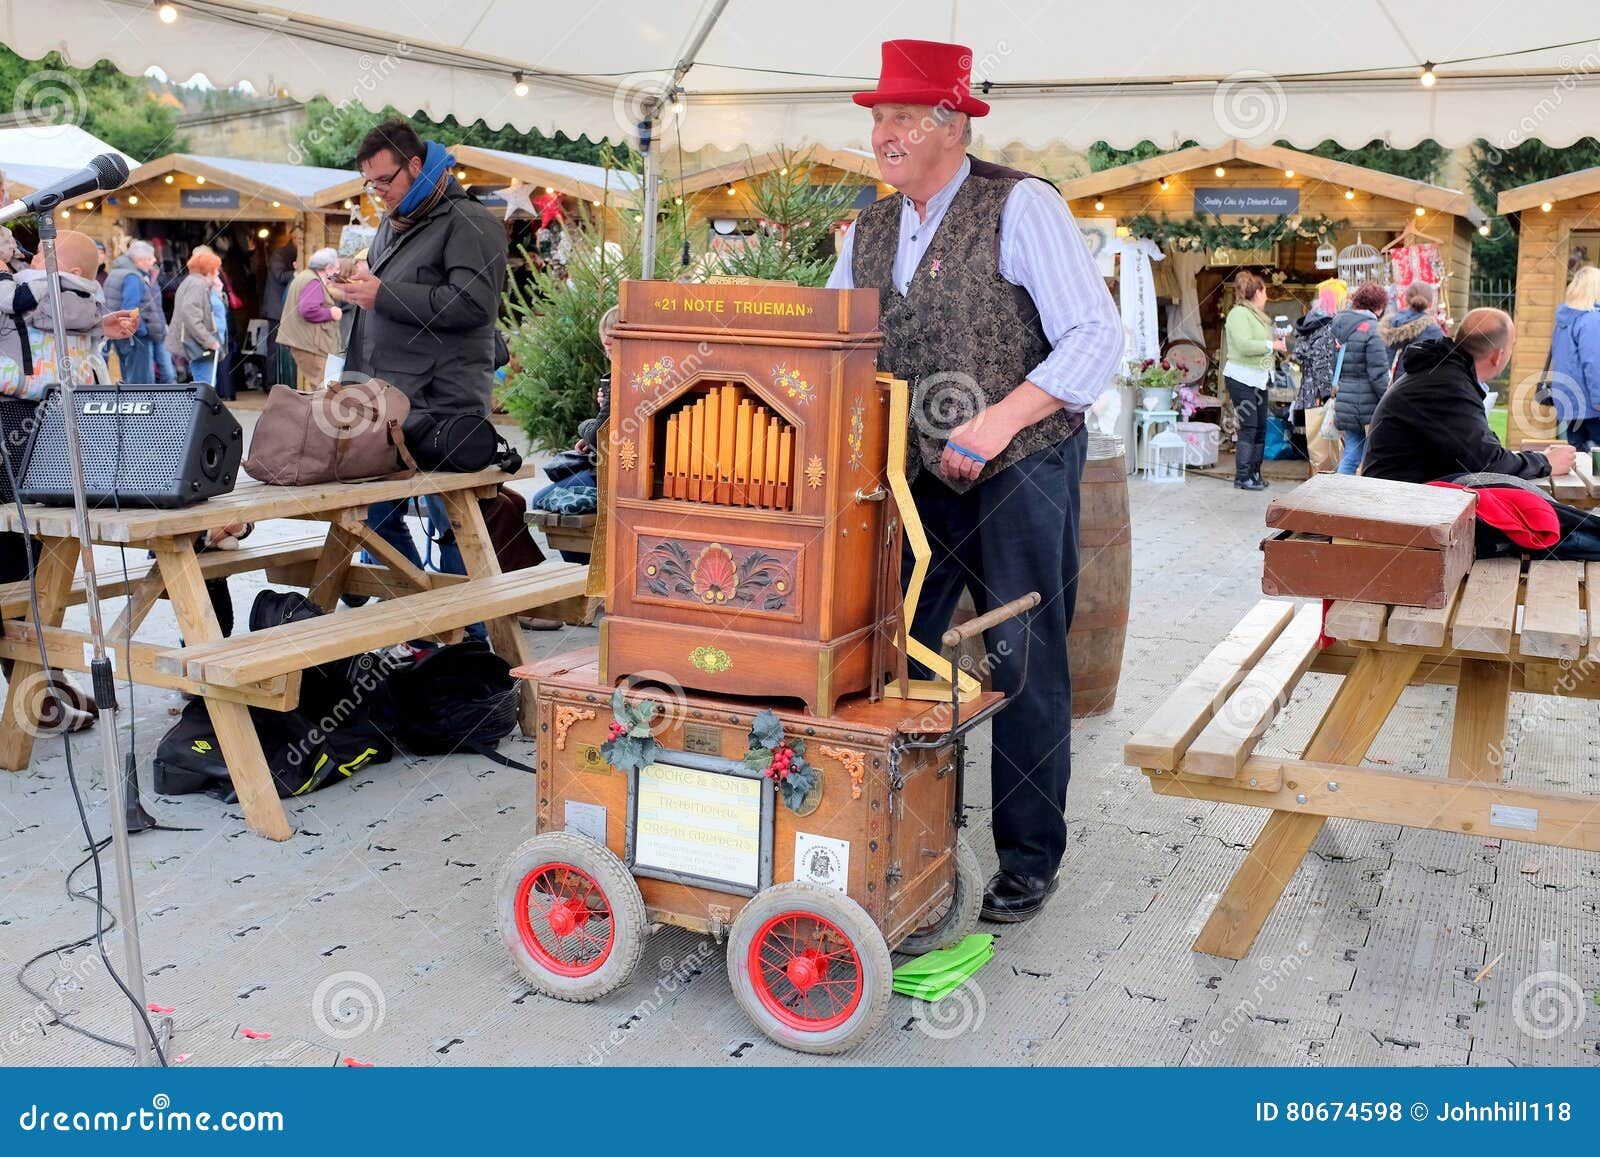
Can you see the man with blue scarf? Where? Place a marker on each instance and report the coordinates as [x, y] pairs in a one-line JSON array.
[[426, 311]]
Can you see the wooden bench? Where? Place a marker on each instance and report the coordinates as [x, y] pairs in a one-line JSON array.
[[1578, 488], [253, 556], [1510, 626], [569, 532], [252, 658]]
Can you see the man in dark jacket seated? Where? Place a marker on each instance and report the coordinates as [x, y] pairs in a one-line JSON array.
[[1431, 426], [1431, 423]]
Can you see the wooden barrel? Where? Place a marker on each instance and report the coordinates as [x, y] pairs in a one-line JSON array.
[[1105, 574]]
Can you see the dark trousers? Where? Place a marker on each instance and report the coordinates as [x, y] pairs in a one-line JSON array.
[[1015, 533], [1583, 433], [1250, 406]]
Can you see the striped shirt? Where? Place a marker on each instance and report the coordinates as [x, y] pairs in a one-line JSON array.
[[1041, 250]]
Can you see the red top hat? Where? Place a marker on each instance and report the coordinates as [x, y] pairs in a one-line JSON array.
[[925, 72]]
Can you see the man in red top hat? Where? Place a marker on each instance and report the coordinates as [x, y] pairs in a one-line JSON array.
[[1005, 344]]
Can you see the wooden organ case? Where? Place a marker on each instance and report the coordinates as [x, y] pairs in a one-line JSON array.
[[751, 549]]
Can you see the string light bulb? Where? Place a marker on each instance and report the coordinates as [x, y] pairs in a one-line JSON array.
[[168, 178], [277, 204], [1165, 184], [349, 204], [461, 174], [86, 206], [199, 180], [521, 86], [732, 191], [133, 199], [550, 189], [1546, 207], [1427, 79], [263, 233], [167, 12], [1220, 171], [1349, 194], [1099, 205], [1289, 173], [783, 172], [1483, 230], [1421, 212]]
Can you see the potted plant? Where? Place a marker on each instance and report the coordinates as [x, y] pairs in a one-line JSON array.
[[1154, 380]]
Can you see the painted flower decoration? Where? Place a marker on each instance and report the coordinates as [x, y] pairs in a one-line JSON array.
[[653, 375], [716, 579], [790, 382]]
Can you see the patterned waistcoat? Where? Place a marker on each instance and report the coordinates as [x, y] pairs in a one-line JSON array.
[[962, 335]]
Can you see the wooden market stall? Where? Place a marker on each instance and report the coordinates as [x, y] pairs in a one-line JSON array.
[[243, 209], [1295, 217], [1558, 226]]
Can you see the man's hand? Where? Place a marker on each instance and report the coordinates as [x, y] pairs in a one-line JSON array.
[[336, 311], [1561, 456], [985, 436], [362, 290], [123, 323]]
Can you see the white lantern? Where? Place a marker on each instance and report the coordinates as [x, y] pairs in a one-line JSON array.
[[1327, 256], [1164, 457]]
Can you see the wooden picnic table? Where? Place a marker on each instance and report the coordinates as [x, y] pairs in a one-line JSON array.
[[1511, 625], [1578, 488], [262, 668]]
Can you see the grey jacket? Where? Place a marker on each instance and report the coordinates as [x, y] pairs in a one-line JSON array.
[[155, 321], [191, 317], [431, 331], [82, 307], [1364, 376]]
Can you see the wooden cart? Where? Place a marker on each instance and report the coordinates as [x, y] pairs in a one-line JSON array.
[[811, 900]]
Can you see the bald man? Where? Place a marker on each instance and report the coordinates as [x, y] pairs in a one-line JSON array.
[[1431, 423]]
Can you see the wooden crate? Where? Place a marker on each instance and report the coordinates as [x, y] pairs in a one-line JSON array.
[[748, 522], [894, 809], [1342, 536]]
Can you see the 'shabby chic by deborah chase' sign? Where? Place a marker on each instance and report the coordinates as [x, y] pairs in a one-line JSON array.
[[208, 198], [1241, 202]]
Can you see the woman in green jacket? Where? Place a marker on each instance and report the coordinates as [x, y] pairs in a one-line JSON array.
[[1251, 345]]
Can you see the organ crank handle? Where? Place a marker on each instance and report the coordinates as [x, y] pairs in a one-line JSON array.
[[955, 636]]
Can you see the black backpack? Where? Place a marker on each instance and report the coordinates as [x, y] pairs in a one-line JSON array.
[[456, 698], [331, 734]]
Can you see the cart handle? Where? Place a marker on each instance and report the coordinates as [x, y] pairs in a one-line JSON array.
[[955, 636]]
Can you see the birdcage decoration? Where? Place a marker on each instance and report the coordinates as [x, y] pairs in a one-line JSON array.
[[1327, 256], [1164, 457], [1360, 262]]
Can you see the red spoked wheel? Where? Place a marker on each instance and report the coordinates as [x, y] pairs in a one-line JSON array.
[[571, 916], [809, 967]]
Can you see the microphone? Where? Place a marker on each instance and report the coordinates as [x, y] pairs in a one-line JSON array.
[[107, 171]]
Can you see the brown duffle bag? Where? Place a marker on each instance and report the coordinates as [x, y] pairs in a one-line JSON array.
[[342, 432]]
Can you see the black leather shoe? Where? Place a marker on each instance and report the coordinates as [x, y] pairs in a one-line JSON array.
[[1263, 481], [1249, 484], [1011, 898]]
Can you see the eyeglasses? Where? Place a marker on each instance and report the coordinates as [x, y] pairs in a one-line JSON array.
[[378, 183]]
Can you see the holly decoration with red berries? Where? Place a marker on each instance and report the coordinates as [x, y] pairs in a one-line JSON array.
[[632, 743], [781, 760]]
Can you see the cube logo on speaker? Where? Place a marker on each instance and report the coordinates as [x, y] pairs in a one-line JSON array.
[[115, 408]]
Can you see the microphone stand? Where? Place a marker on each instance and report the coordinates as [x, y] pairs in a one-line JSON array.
[[100, 668]]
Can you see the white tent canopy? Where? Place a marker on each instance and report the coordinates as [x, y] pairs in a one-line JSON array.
[[769, 74]]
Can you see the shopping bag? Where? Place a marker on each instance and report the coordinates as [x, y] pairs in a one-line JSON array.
[[1324, 446]]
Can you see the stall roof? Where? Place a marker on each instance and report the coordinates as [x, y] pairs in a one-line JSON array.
[[297, 185], [32, 178], [573, 178], [1562, 188], [1412, 192], [66, 147], [850, 160]]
